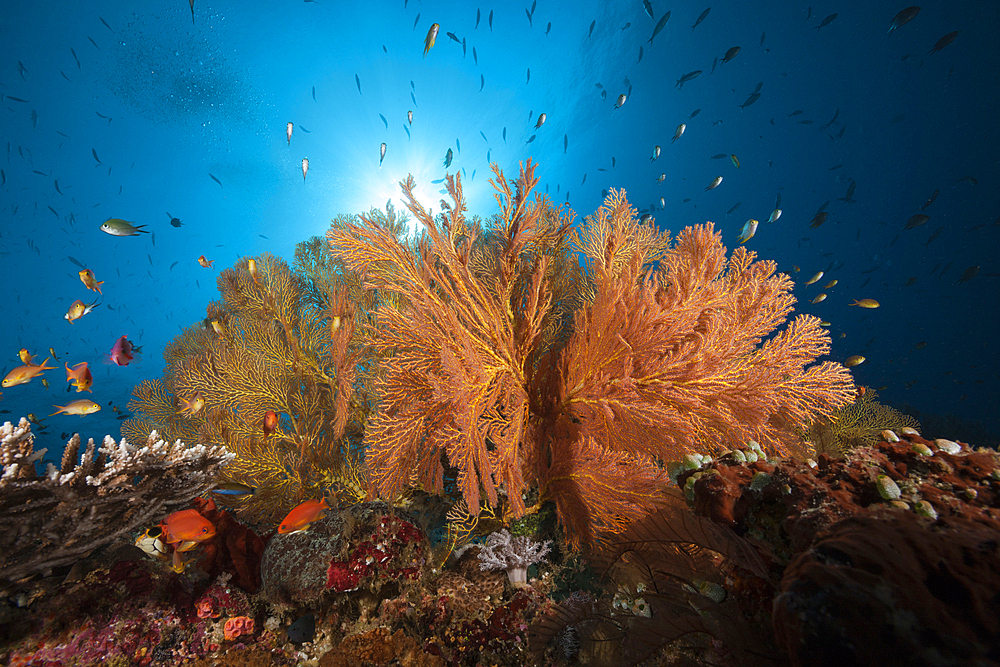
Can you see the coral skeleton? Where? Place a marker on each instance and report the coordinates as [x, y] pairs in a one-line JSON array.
[[513, 554], [56, 518]]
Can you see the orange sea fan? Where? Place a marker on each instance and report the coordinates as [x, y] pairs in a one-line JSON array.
[[502, 373]]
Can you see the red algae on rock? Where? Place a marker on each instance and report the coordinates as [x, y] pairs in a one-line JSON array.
[[889, 555]]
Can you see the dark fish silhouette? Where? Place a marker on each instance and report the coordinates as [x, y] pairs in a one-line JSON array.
[[592, 24], [827, 21], [701, 18], [482, 82], [491, 20], [916, 221], [358, 81], [659, 26], [833, 120], [94, 152], [687, 77], [478, 16], [216, 180], [648, 7], [302, 630], [931, 199], [474, 57], [416, 21], [565, 142], [850, 193], [750, 100], [640, 56], [943, 42], [730, 54], [528, 80], [903, 17], [75, 58]]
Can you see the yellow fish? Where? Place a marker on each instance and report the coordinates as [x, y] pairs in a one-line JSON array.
[[252, 268], [865, 303], [87, 276], [815, 278], [77, 310], [749, 229], [26, 356], [193, 405], [24, 374], [818, 298], [82, 407], [855, 360], [830, 284], [431, 36]]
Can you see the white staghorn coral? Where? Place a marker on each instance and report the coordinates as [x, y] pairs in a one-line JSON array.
[[51, 520]]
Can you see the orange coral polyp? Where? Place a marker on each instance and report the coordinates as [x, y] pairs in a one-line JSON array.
[[237, 626]]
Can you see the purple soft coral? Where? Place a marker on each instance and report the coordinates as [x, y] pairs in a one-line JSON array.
[[514, 554]]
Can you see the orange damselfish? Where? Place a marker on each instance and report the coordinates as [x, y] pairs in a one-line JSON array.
[[187, 526], [302, 516]]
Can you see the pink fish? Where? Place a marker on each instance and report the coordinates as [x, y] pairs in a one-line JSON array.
[[122, 352]]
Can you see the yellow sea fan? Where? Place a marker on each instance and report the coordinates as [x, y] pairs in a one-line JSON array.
[[856, 425]]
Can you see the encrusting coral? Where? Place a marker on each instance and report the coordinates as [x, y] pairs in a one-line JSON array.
[[58, 517], [506, 366]]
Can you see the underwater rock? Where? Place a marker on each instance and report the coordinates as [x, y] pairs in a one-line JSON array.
[[800, 500], [293, 567], [365, 546], [380, 647], [891, 590]]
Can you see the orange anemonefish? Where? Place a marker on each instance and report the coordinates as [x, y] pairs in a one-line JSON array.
[[300, 518]]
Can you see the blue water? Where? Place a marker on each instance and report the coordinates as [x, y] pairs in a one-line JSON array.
[[164, 103]]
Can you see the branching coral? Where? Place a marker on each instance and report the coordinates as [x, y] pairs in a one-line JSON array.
[[508, 367], [282, 343], [56, 518]]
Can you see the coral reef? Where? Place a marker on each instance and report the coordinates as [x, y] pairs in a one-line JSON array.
[[367, 547], [274, 343], [56, 518], [803, 562], [129, 610], [507, 367], [235, 549], [380, 647]]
